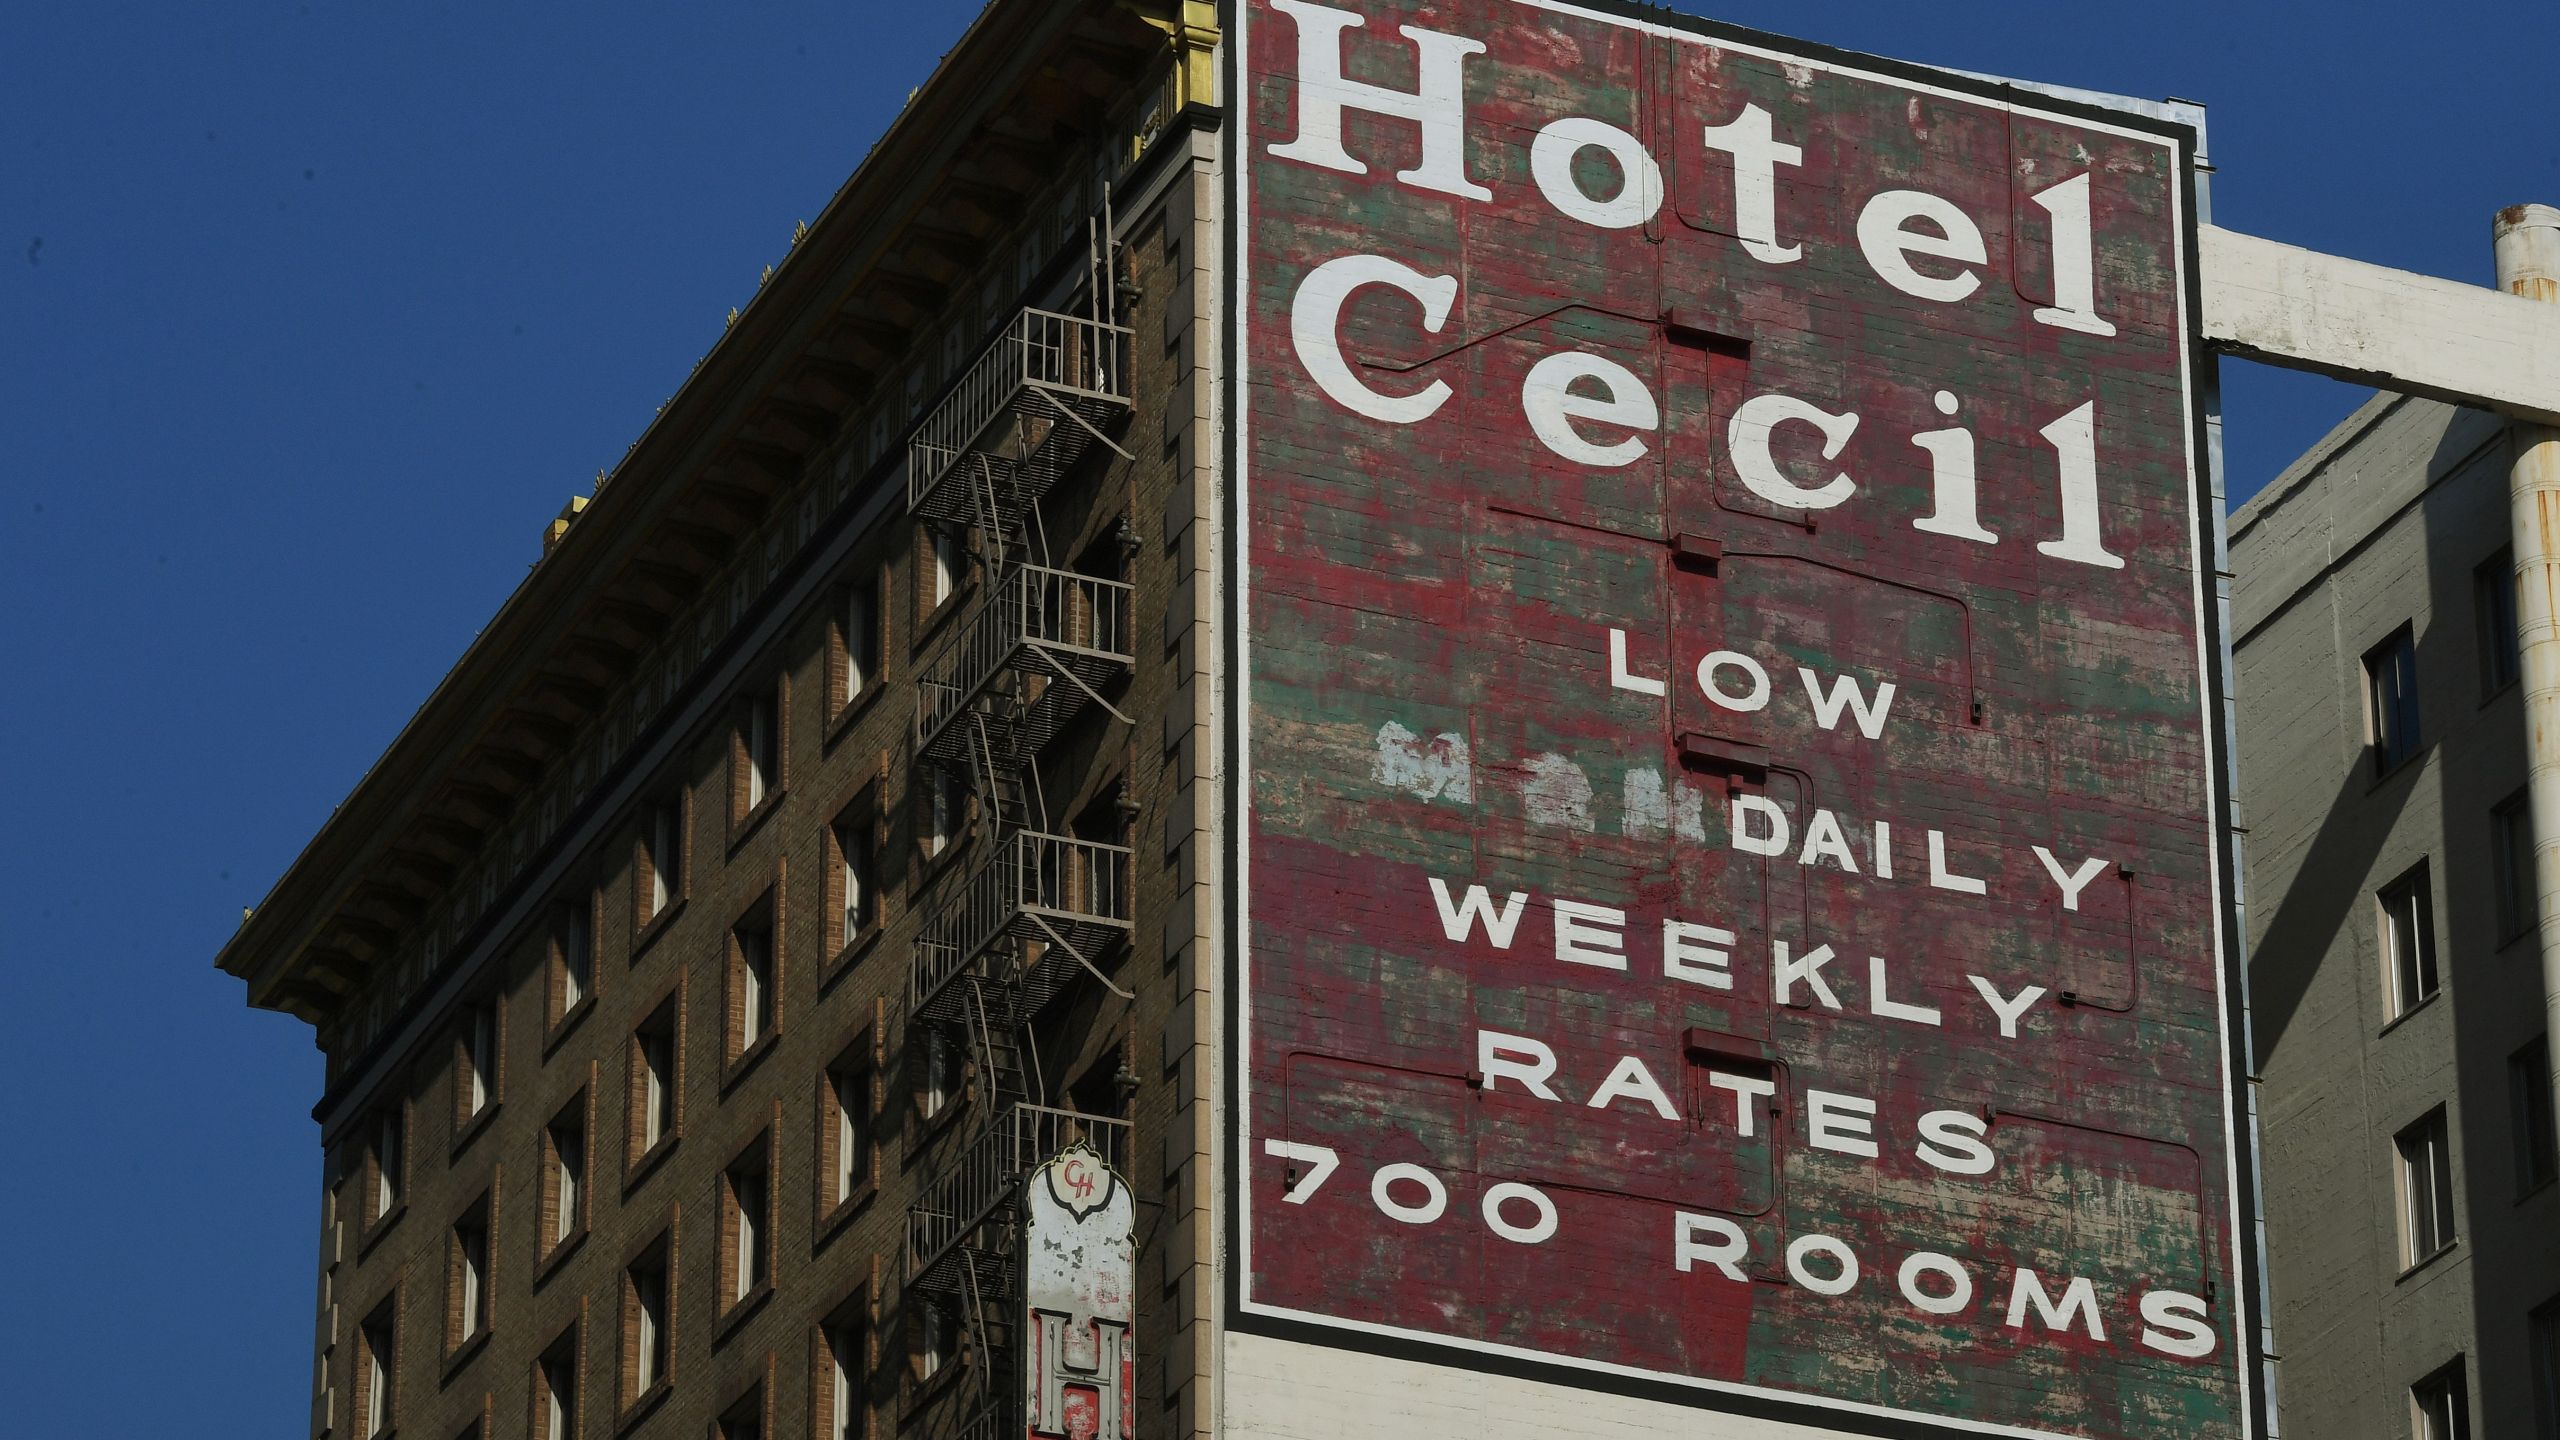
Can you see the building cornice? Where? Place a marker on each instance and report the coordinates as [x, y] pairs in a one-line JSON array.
[[850, 308]]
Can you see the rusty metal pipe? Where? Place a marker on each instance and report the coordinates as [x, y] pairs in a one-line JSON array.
[[2527, 240]]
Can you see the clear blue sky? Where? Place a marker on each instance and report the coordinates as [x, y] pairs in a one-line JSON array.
[[311, 315]]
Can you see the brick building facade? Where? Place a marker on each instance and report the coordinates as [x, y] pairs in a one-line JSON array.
[[807, 848]]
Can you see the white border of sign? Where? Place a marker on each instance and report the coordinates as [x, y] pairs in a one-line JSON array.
[[1242, 1158]]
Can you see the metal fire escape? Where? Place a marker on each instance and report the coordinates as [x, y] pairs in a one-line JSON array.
[[1037, 909]]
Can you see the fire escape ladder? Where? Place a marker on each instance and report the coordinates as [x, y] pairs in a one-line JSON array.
[[980, 1320]]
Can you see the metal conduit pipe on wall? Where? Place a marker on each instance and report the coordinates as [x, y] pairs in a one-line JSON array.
[[2527, 239]]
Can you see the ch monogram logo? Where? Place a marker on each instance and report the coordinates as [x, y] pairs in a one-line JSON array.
[[1080, 1182]]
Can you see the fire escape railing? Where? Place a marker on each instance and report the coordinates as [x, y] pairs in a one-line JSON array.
[[1034, 402], [1048, 891], [983, 1184], [1043, 645], [1035, 909]]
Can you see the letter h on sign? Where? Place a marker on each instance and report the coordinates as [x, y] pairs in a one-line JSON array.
[[1073, 1401]]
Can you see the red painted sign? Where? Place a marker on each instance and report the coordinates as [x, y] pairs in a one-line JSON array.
[[1731, 897]]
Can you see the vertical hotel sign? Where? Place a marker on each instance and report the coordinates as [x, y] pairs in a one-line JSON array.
[[1079, 1288], [1733, 906]]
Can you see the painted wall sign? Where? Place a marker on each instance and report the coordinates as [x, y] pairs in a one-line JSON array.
[[1732, 889], [1079, 1283]]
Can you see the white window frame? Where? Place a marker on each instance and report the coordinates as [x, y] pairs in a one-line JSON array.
[[764, 757], [949, 564], [649, 1324], [480, 1047], [861, 639], [748, 1240], [568, 1179], [390, 1156], [755, 983], [845, 1366], [855, 864], [2410, 969], [666, 856], [2424, 1166], [471, 1246], [657, 1086]]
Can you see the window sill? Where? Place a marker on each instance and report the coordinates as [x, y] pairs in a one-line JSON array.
[[745, 826], [2410, 763], [380, 1226], [567, 1022], [2412, 1013], [2541, 1189], [644, 1404], [655, 926], [745, 1060], [850, 955], [835, 1219], [2526, 933], [638, 1171], [561, 1250], [927, 1389], [850, 713], [943, 862], [940, 616], [2501, 693], [929, 1128], [739, 1311], [460, 1357], [2428, 1262], [470, 1130]]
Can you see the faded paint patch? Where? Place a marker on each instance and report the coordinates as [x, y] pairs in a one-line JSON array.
[[1653, 809], [1557, 795], [1435, 769]]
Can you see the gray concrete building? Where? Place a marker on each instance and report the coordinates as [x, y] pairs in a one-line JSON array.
[[2413, 1223]]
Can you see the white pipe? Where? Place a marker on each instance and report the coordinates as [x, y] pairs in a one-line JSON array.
[[2527, 239]]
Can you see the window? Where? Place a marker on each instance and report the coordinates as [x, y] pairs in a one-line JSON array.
[[937, 1340], [938, 1073], [2493, 604], [858, 639], [746, 1224], [844, 1128], [2391, 700], [2511, 864], [843, 1362], [2408, 941], [2529, 1103], [377, 1370], [944, 565], [2426, 1189], [744, 1419], [759, 752], [857, 880], [646, 1310], [555, 1389], [655, 1081], [751, 979], [937, 811], [387, 1160], [564, 1174], [466, 1312], [573, 956], [2440, 1406], [662, 859], [475, 1064], [2543, 1334]]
